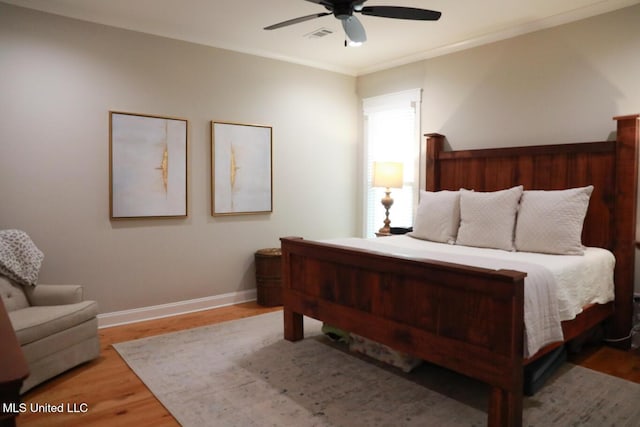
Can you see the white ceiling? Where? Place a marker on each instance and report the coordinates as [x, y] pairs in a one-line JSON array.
[[237, 25]]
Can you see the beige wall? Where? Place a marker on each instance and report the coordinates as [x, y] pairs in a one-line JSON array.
[[559, 84], [563, 84], [58, 80]]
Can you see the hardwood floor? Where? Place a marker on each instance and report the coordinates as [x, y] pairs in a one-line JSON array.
[[612, 361], [112, 392], [114, 395]]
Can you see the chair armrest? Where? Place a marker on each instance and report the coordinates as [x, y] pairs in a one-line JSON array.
[[53, 294]]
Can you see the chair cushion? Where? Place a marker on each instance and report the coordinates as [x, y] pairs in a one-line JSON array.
[[34, 323], [12, 295]]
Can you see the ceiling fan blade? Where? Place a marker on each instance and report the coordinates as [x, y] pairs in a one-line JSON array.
[[354, 29], [296, 20], [400, 12]]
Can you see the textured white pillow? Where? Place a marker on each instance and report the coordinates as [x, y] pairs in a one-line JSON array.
[[487, 219], [551, 221], [438, 216]]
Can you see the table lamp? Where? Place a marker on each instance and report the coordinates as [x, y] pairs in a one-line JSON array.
[[388, 175]]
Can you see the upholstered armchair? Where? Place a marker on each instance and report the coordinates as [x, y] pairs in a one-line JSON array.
[[56, 329]]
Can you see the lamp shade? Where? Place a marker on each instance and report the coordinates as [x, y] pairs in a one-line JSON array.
[[387, 174]]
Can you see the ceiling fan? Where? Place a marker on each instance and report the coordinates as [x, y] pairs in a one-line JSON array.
[[344, 9]]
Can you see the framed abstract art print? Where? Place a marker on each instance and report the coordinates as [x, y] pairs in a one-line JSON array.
[[241, 176], [148, 166]]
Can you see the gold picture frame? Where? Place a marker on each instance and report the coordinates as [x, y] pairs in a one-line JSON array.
[[241, 169], [148, 166]]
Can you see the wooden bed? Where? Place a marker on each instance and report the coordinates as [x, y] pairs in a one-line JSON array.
[[465, 318]]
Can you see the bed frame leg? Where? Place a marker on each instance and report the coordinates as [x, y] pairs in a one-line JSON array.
[[293, 327], [505, 408]]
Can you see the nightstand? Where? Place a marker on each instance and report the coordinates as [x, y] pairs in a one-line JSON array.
[[401, 230], [395, 231]]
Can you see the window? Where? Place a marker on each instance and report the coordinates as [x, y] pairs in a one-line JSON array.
[[392, 133]]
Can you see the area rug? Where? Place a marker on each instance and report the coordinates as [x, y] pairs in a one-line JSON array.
[[242, 373]]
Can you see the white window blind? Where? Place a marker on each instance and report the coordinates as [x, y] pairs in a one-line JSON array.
[[392, 133]]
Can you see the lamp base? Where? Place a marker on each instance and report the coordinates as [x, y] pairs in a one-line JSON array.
[[384, 230], [387, 201]]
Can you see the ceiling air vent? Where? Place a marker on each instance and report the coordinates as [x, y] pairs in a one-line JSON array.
[[320, 32]]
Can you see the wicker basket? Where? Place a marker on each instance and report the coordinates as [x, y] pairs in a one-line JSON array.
[[269, 276]]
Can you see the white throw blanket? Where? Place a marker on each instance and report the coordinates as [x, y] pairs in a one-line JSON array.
[[20, 259], [541, 313]]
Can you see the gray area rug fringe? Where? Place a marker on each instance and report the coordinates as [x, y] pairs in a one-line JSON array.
[[243, 373]]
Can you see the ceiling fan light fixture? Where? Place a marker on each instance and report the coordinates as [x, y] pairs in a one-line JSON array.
[[354, 30]]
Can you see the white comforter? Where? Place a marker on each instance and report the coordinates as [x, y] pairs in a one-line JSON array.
[[556, 286]]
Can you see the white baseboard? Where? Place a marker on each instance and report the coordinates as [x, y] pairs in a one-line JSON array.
[[124, 317]]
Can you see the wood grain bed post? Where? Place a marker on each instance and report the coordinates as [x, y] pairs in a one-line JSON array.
[[505, 409], [627, 137], [505, 403], [293, 323], [435, 145]]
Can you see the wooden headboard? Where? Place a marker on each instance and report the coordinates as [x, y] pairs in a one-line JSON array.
[[610, 166]]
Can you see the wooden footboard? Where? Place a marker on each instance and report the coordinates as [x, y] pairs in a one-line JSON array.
[[463, 318]]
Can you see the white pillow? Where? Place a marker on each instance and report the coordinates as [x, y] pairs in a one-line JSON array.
[[438, 216], [551, 221], [487, 219]]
